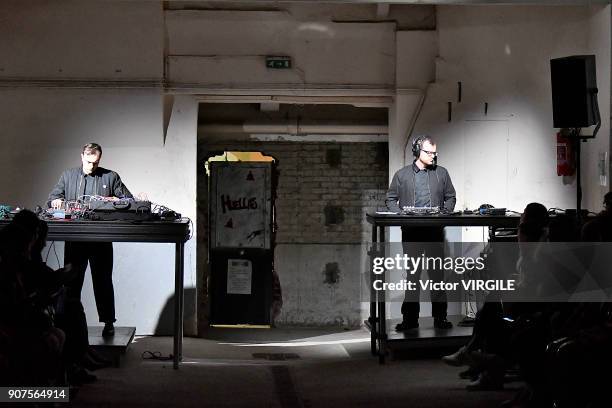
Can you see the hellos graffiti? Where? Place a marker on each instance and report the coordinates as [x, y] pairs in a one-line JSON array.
[[243, 203]]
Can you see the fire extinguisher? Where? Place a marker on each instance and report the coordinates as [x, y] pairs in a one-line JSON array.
[[566, 160]]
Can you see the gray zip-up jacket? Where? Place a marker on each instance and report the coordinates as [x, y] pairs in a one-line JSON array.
[[71, 185], [401, 192]]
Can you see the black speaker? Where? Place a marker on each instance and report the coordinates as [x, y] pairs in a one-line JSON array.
[[574, 91]]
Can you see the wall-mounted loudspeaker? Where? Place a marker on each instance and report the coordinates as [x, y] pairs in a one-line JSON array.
[[574, 91]]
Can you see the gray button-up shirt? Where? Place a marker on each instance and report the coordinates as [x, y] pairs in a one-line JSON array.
[[422, 195]]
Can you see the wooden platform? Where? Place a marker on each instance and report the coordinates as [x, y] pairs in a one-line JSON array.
[[111, 347], [426, 340], [426, 331]]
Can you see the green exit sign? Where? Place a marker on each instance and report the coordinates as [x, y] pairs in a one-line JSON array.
[[276, 62]]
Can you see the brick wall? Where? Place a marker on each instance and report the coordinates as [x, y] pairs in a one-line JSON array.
[[324, 189]]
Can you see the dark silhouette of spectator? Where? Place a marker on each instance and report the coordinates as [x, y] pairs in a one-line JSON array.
[[500, 328], [69, 312], [580, 356], [63, 315], [32, 346], [600, 228], [579, 364]]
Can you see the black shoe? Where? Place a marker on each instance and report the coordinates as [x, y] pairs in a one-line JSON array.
[[109, 330], [442, 324], [407, 325]]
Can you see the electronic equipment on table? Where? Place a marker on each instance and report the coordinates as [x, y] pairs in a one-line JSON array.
[[485, 209], [122, 209], [409, 210], [493, 211], [104, 209], [5, 211]]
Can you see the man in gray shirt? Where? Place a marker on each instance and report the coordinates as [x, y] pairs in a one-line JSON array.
[[423, 184], [75, 184]]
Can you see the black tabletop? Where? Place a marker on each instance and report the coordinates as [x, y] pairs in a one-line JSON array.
[[173, 231], [445, 220]]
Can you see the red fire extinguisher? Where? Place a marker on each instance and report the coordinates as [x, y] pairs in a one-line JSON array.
[[566, 161]]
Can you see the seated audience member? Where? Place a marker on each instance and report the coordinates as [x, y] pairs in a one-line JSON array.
[[488, 352], [580, 356], [32, 345], [67, 316], [69, 313], [600, 228], [579, 364]]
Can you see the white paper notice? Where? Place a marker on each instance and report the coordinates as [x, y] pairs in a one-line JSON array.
[[239, 276]]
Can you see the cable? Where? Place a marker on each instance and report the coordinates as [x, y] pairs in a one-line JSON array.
[[555, 209], [595, 107], [49, 251], [54, 251], [190, 228], [155, 355]]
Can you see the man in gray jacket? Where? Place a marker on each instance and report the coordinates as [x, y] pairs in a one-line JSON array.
[[80, 183], [423, 184]]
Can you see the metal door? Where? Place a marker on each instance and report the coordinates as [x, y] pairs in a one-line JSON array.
[[241, 249]]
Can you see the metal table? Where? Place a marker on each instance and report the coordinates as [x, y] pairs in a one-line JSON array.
[[176, 232], [377, 320]]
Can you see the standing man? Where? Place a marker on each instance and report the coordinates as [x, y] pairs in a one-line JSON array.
[[423, 184], [75, 184]]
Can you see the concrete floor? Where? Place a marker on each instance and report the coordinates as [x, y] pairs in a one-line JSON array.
[[323, 368]]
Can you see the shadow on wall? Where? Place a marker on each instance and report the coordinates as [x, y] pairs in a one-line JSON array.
[[165, 324]]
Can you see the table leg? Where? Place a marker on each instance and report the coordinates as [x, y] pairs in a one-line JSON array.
[[382, 315], [178, 302], [372, 319]]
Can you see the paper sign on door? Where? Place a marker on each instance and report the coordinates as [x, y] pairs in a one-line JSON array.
[[239, 276]]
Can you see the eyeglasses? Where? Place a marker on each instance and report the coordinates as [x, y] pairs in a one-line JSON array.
[[429, 153]]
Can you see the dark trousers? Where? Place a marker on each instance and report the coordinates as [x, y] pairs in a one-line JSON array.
[[100, 258], [73, 323], [433, 239]]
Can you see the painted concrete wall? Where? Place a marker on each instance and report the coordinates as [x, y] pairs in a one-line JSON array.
[[43, 132], [322, 52], [501, 55], [599, 43], [310, 297], [43, 129], [71, 39]]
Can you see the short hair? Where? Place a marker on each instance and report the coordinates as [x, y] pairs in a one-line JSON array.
[[27, 220], [418, 141], [91, 147], [427, 138], [20, 232], [534, 220], [424, 138]]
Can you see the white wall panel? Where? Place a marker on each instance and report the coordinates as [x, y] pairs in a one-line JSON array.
[[81, 39], [220, 47], [501, 55], [42, 134]]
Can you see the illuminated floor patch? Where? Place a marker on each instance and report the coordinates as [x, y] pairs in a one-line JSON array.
[[277, 356]]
